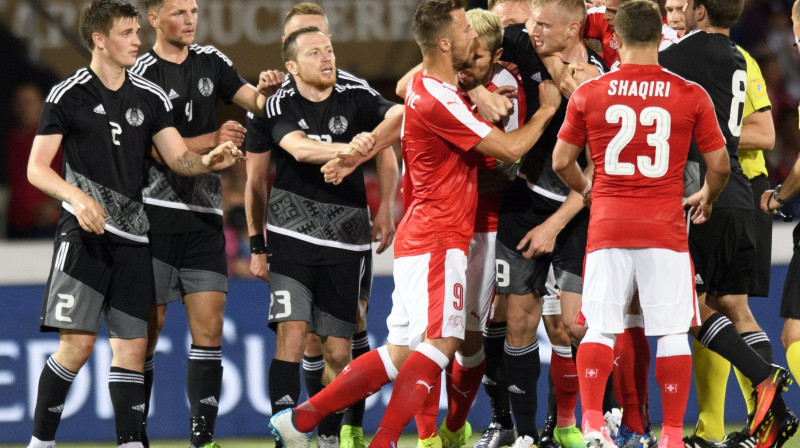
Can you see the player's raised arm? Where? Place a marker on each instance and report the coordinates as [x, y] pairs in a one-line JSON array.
[[510, 146], [183, 161]]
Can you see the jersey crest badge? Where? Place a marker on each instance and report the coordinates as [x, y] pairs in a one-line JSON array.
[[134, 116], [338, 125], [205, 86]]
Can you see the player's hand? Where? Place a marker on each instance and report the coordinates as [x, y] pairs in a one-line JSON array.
[[269, 81], [259, 266], [491, 106], [230, 131], [383, 227], [540, 240], [337, 169], [223, 156], [90, 213], [699, 206], [765, 202], [362, 143], [509, 92], [549, 95]]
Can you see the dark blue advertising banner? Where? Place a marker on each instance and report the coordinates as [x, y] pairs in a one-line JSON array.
[[244, 407]]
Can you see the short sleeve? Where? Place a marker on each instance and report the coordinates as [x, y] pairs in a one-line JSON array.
[[451, 119], [53, 121], [257, 139], [756, 90], [162, 112], [229, 79], [280, 118], [573, 130]]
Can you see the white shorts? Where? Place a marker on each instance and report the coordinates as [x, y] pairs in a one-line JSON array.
[[551, 301], [428, 297], [665, 280], [480, 279]]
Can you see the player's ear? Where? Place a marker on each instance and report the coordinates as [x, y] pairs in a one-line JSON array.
[[99, 40], [497, 55], [443, 44], [153, 19], [291, 67]]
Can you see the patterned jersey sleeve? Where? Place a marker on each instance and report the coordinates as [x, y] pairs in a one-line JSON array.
[[229, 79], [257, 138], [706, 132]]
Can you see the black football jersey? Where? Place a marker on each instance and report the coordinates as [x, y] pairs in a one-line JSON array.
[[537, 165], [178, 204], [309, 221], [712, 60], [106, 137]]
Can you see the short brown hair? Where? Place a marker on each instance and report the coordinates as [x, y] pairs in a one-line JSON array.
[[569, 10], [304, 9], [151, 5], [638, 23], [98, 16], [432, 21], [721, 13], [289, 47]]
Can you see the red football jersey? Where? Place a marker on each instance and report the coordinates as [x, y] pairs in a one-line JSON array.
[[639, 122], [440, 174], [489, 203], [597, 27]]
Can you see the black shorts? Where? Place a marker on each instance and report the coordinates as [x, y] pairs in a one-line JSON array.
[[790, 303], [763, 239], [522, 210], [89, 280], [723, 252], [366, 278], [188, 263], [324, 296]]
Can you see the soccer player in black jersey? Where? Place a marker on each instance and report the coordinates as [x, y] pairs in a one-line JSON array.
[[107, 121], [186, 234], [722, 249], [319, 234], [313, 365]]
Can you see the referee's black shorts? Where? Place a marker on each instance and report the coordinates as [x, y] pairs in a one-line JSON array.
[[723, 252], [790, 304]]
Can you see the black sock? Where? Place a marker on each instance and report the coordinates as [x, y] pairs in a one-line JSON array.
[[522, 371], [203, 387], [494, 378], [149, 364], [759, 341], [552, 406], [718, 334], [54, 383], [313, 366], [126, 388], [284, 384], [354, 415]]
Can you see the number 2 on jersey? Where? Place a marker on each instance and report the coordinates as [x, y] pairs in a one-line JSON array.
[[656, 166]]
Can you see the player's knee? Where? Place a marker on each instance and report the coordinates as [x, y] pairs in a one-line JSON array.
[[575, 332], [337, 359], [75, 352]]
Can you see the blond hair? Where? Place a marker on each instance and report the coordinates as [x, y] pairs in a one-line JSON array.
[[487, 25]]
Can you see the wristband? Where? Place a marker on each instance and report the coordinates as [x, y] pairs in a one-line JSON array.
[[776, 194], [257, 244]]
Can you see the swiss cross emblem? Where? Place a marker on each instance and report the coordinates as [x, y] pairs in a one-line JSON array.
[[591, 373], [671, 388]]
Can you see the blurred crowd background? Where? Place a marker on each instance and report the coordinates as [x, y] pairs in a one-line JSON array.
[[765, 30]]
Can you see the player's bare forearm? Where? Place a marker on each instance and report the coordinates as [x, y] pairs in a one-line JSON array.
[[758, 131], [718, 169], [387, 133]]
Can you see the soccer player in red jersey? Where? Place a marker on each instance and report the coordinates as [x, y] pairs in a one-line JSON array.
[[439, 132], [639, 133]]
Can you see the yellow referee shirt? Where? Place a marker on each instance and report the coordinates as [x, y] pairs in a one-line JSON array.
[[752, 161]]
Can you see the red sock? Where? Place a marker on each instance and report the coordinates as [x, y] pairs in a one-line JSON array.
[[462, 386], [413, 385], [565, 383], [426, 417], [631, 368], [594, 365], [360, 379], [674, 376]]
